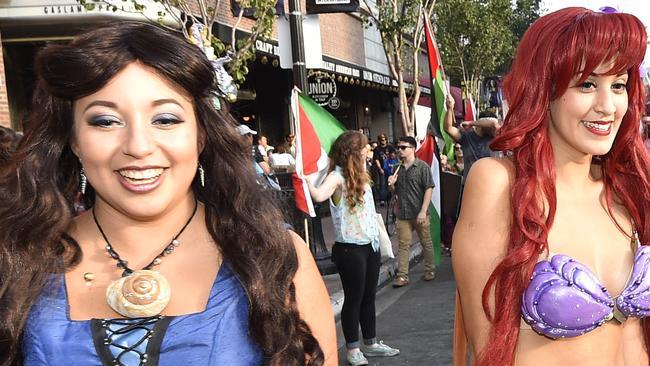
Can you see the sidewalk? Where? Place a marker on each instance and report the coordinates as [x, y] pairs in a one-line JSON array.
[[386, 273]]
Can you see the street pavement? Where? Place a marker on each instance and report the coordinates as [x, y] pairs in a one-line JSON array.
[[418, 319]]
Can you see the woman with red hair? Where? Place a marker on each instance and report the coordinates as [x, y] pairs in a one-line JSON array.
[[547, 250]]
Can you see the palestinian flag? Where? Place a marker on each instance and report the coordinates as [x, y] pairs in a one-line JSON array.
[[427, 153], [439, 90], [315, 130]]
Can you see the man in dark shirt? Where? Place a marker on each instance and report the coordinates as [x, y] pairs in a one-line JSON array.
[[380, 153], [474, 140], [413, 183]]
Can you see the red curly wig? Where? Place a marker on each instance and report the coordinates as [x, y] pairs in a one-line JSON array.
[[556, 48]]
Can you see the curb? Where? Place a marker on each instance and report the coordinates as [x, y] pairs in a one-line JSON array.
[[387, 272]]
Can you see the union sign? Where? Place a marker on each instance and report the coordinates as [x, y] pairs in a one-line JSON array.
[[321, 87]]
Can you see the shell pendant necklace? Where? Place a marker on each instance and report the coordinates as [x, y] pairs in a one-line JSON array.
[[144, 292]]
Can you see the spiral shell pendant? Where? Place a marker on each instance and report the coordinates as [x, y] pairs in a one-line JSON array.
[[143, 293]]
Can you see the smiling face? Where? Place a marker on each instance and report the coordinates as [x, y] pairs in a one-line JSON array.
[[137, 140], [586, 118]]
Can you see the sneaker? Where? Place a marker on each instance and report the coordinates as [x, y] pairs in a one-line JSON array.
[[379, 350], [356, 358], [429, 276], [400, 281]]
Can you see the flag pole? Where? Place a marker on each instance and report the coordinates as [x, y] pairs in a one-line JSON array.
[[306, 231], [435, 124]]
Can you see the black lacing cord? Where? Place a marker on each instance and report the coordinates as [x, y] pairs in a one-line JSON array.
[[128, 327]]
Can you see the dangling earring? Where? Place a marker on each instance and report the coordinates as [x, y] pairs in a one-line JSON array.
[[201, 175], [84, 181]]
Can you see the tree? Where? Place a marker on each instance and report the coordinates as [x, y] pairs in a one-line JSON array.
[[401, 27], [475, 38], [525, 13], [204, 13]]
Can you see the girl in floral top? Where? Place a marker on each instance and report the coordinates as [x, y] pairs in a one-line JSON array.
[[356, 251]]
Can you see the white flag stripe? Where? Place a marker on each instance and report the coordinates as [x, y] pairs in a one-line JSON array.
[[435, 172]]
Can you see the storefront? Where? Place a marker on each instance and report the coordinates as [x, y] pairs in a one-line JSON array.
[[357, 97]]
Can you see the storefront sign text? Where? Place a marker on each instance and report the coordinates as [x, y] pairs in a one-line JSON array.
[[266, 47], [321, 87]]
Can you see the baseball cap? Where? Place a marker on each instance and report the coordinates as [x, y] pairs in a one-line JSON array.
[[245, 130]]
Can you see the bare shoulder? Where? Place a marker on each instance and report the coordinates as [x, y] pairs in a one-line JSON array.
[[491, 174], [485, 211], [302, 249]]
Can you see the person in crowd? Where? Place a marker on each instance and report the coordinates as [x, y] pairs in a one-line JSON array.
[[380, 153], [446, 167], [413, 184], [264, 147], [473, 136], [547, 251], [369, 156], [391, 162], [460, 158], [171, 264], [290, 140], [356, 251], [261, 165], [281, 160]]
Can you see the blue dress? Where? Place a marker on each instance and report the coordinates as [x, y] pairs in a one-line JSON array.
[[216, 336]]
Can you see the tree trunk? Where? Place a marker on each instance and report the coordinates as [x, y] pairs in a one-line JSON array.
[[403, 105]]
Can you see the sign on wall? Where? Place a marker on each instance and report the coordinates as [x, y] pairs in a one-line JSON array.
[[321, 87]]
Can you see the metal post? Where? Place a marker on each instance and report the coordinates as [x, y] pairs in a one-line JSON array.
[[297, 45], [314, 236]]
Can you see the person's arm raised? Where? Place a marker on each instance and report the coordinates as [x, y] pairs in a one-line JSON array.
[[487, 122], [448, 123], [314, 302], [480, 241]]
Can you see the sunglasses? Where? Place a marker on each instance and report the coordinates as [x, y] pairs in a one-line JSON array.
[[403, 147]]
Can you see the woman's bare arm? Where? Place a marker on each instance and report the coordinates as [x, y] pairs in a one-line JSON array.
[[314, 302], [480, 241]]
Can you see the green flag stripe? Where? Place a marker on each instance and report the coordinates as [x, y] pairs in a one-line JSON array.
[[439, 95], [435, 230], [327, 127]]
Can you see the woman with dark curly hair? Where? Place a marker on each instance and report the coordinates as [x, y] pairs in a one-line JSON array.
[[356, 251], [548, 252], [171, 264]]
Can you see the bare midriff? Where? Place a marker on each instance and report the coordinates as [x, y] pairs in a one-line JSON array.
[[612, 344]]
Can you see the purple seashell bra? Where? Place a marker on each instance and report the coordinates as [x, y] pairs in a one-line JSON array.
[[565, 299]]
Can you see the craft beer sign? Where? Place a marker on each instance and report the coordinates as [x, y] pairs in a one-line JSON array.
[[332, 6], [321, 87]]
